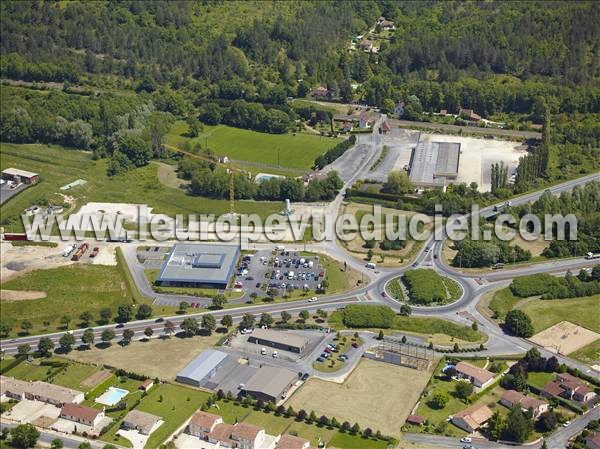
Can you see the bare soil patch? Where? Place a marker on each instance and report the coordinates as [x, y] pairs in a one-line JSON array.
[[96, 378], [20, 295], [565, 337]]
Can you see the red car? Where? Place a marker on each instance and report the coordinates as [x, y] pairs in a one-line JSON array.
[[355, 345]]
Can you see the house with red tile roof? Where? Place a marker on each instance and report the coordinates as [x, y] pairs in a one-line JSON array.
[[512, 397], [569, 387], [81, 414], [472, 418], [288, 441], [202, 423]]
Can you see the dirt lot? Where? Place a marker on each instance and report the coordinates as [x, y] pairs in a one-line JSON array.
[[20, 295], [162, 358], [18, 260], [565, 337], [381, 396]]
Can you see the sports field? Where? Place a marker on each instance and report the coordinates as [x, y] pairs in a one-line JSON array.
[[565, 337], [292, 150], [382, 396]]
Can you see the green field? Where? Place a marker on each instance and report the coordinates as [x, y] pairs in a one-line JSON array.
[[502, 302], [58, 166], [581, 311], [35, 370], [74, 374], [296, 150], [589, 354], [174, 404]]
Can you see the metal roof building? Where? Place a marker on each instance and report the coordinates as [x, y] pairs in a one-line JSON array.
[[199, 264], [202, 367], [284, 340], [432, 164], [270, 383]]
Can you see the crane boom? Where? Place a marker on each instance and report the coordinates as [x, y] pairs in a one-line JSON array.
[[229, 166]]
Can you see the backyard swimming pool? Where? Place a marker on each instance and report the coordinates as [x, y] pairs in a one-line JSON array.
[[112, 396]]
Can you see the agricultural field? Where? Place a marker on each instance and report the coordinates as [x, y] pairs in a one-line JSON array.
[[59, 166], [157, 357], [292, 150], [381, 395]]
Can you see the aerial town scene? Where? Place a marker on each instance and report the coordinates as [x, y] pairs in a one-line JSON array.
[[266, 224]]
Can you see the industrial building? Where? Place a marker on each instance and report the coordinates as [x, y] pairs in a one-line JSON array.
[[270, 384], [285, 341], [201, 368], [18, 176], [434, 164], [199, 265]]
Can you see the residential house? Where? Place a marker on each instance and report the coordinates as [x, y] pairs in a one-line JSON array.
[[148, 383], [469, 114], [321, 92], [399, 109], [388, 25], [385, 127], [479, 377], [472, 418], [143, 422], [247, 436], [593, 441], [288, 441], [512, 397], [366, 45], [569, 387], [415, 420], [444, 112], [39, 391], [347, 127], [202, 424], [363, 121], [81, 414], [221, 435]]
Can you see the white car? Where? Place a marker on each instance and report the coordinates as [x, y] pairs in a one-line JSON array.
[[313, 299], [466, 440], [566, 424]]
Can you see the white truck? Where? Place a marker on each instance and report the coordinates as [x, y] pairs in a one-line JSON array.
[[371, 265], [590, 256], [68, 250]]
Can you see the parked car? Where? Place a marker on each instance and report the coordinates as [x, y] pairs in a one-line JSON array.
[[305, 376], [320, 359], [355, 345], [466, 440]]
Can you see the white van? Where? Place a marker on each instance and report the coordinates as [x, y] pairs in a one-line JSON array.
[[275, 355], [371, 265], [280, 248]]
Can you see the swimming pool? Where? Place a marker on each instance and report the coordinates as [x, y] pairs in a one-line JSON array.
[[112, 396]]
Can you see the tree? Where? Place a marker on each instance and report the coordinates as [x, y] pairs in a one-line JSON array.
[[248, 321], [105, 315], [169, 327], [380, 335], [144, 311], [85, 445], [183, 306], [439, 400], [265, 320], [218, 301], [127, 336], [398, 182], [496, 426], [85, 318], [5, 328], [463, 389], [107, 335], [519, 425], [66, 342], [285, 316], [209, 323], [547, 421], [227, 321], [26, 326], [190, 327], [56, 444], [66, 320], [124, 313], [194, 126], [518, 323], [157, 127], [45, 347], [304, 315], [474, 326], [148, 332], [23, 349], [87, 338], [405, 310], [24, 436]]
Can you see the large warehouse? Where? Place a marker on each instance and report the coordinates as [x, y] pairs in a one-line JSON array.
[[285, 341], [270, 384], [434, 164], [199, 265], [202, 367]]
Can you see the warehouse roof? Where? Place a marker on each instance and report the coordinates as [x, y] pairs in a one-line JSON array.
[[281, 337], [199, 262], [19, 172], [271, 381], [431, 162], [202, 365]]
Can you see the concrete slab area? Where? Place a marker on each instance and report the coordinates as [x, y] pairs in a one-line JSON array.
[[27, 411]]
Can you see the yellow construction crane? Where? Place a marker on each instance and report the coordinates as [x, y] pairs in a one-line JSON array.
[[228, 165]]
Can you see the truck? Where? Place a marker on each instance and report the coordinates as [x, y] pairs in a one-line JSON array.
[[95, 252], [590, 256], [80, 252]]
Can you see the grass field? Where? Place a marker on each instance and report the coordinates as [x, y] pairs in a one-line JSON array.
[[162, 358], [74, 375], [297, 151], [502, 302], [174, 404], [589, 354], [581, 311], [34, 370], [70, 291], [58, 166], [381, 396]]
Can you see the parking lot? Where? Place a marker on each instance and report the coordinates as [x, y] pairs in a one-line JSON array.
[[291, 271], [251, 272]]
